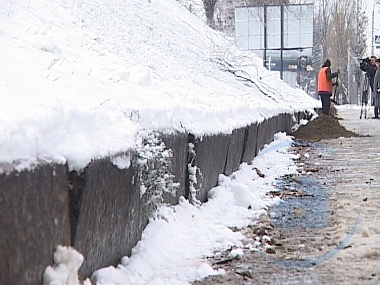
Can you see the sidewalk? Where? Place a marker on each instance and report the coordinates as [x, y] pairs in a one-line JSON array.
[[347, 249], [350, 115], [354, 180]]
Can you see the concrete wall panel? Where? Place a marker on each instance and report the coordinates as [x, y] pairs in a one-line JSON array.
[[179, 146], [111, 215], [287, 122], [34, 218], [271, 129], [261, 136], [235, 151], [250, 143], [211, 156], [266, 131]]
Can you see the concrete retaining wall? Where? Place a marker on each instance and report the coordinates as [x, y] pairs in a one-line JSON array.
[[178, 143], [34, 218], [102, 211], [111, 216]]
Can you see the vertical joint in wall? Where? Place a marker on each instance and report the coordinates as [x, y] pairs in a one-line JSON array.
[[77, 184]]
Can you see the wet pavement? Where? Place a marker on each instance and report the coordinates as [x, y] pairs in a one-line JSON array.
[[327, 230], [305, 206]]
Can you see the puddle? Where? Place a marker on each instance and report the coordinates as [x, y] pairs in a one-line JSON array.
[[303, 204]]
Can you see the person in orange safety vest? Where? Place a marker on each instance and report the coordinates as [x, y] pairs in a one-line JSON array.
[[325, 85]]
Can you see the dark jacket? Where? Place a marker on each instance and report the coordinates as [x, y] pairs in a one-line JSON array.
[[331, 75], [371, 70]]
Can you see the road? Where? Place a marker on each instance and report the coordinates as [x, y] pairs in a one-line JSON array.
[[328, 229]]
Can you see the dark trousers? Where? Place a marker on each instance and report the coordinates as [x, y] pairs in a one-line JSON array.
[[325, 98]]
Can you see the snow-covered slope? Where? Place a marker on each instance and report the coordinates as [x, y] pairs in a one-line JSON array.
[[80, 78]]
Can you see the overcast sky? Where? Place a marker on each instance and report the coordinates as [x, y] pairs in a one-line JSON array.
[[372, 10]]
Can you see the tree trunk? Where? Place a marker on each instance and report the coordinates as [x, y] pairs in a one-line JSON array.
[[209, 10]]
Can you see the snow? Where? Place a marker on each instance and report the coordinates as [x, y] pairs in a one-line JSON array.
[[80, 80], [177, 239], [65, 271]]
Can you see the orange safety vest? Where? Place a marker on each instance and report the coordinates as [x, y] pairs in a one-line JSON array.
[[324, 84]]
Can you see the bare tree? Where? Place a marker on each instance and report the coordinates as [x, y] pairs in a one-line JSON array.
[[339, 35], [210, 10], [321, 22], [358, 44]]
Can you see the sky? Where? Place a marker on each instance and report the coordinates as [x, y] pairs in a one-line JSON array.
[[81, 79], [369, 9], [373, 13]]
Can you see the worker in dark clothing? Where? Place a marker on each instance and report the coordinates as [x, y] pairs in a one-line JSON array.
[[376, 92], [325, 85], [371, 70], [372, 67]]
